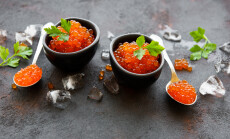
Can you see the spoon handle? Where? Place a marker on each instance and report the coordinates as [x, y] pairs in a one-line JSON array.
[[39, 48], [174, 77], [40, 45]]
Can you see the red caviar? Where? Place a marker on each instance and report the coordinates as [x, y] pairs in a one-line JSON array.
[[125, 57], [181, 64], [28, 76], [79, 38], [182, 91]]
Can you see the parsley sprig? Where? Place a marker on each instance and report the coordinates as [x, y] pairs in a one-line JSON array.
[[53, 31], [154, 48], [20, 51], [197, 51]]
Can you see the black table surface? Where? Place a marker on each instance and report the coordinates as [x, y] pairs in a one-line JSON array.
[[149, 113]]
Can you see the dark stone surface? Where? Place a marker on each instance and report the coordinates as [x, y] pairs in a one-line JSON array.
[[148, 113]]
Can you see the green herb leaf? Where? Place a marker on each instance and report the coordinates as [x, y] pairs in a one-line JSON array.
[[24, 52], [205, 54], [139, 53], [198, 51], [196, 55], [210, 46], [65, 25], [154, 48], [63, 37], [16, 47], [14, 62], [54, 32], [140, 41], [20, 51], [195, 48], [4, 52], [198, 34]]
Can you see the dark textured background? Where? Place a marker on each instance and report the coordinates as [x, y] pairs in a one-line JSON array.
[[24, 113]]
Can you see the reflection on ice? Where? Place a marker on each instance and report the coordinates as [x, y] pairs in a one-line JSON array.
[[213, 86], [59, 98]]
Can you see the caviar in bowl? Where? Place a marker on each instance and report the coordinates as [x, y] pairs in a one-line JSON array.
[[78, 50], [131, 74]]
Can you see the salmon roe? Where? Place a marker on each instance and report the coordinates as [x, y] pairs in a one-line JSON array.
[[28, 76], [125, 57], [181, 64], [182, 91], [79, 38]]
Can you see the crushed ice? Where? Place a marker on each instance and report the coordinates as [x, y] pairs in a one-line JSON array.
[[223, 66], [213, 86], [225, 47], [110, 36], [59, 98], [23, 38], [95, 94], [171, 34], [105, 54], [111, 85], [32, 30], [73, 82], [26, 37]]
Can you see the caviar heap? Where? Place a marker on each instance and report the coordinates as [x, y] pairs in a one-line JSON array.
[[125, 57], [182, 91], [181, 64], [28, 76], [79, 38]]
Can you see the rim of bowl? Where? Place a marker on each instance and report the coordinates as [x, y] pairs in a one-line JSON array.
[[72, 53], [123, 69]]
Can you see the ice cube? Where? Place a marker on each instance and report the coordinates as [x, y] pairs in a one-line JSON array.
[[110, 36], [73, 82], [95, 94], [59, 98], [3, 35], [105, 54], [171, 34], [112, 85], [22, 37], [223, 66], [32, 30], [225, 47], [212, 86]]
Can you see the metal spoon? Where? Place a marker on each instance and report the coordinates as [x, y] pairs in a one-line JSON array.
[[174, 77], [39, 48]]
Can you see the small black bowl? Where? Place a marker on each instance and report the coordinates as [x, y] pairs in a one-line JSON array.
[[73, 60], [126, 77]]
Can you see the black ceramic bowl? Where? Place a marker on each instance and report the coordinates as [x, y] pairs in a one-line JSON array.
[[129, 78], [73, 60]]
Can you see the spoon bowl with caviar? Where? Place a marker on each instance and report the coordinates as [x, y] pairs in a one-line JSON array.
[[179, 90], [31, 74]]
